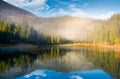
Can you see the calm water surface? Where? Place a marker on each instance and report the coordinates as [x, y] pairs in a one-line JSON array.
[[59, 63]]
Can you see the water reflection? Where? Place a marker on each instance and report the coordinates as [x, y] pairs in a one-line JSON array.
[[50, 74], [70, 61], [61, 59]]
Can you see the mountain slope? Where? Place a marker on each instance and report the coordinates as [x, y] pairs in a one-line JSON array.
[[14, 13]]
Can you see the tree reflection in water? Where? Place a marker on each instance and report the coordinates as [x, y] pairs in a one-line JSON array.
[[63, 59]]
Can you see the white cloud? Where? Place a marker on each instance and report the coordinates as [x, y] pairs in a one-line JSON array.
[[62, 12], [73, 12], [36, 7], [36, 73], [76, 77], [104, 16], [80, 13], [22, 3], [77, 12]]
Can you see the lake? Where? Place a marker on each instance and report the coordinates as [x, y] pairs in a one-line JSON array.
[[54, 62]]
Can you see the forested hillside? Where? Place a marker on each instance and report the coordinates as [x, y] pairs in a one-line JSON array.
[[13, 33], [104, 31], [107, 31]]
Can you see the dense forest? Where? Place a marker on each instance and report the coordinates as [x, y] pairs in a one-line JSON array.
[[12, 33], [106, 32]]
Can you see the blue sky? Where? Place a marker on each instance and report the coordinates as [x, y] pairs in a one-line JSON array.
[[83, 8]]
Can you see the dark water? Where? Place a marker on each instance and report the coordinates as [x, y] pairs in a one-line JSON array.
[[59, 63]]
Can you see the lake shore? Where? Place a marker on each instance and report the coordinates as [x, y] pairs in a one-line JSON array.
[[100, 45]]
